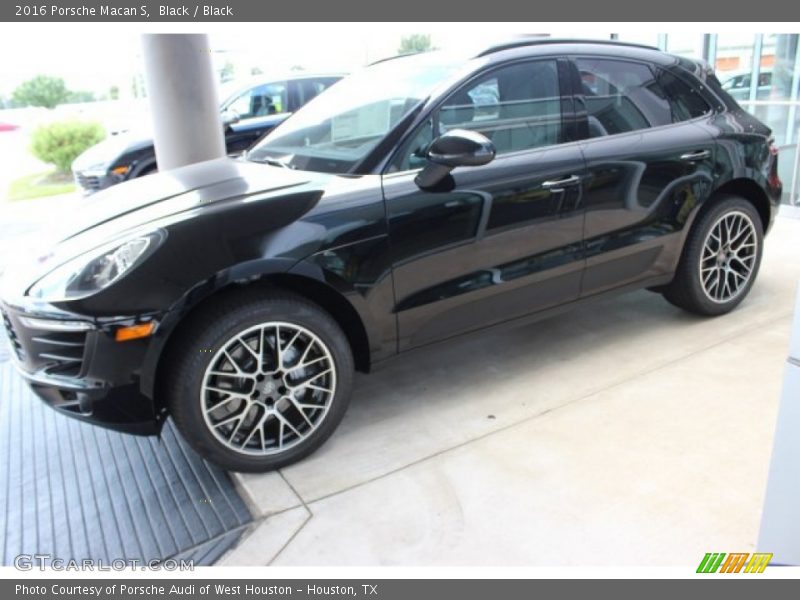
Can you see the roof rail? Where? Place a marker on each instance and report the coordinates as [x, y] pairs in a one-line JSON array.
[[521, 43]]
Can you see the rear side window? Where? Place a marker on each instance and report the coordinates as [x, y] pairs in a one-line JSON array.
[[621, 96], [685, 101]]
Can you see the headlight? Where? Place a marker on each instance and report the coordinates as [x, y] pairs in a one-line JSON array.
[[93, 271]]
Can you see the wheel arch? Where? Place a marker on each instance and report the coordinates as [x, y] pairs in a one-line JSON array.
[[744, 187], [320, 293], [749, 190]]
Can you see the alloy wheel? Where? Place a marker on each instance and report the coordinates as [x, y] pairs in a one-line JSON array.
[[268, 388], [729, 256]]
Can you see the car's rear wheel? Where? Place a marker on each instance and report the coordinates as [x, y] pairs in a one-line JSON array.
[[263, 384], [720, 260]]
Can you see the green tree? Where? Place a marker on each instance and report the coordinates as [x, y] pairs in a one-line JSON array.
[[113, 92], [42, 90], [416, 42], [80, 96], [60, 143]]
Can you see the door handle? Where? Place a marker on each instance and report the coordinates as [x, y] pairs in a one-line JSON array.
[[556, 184], [698, 155]]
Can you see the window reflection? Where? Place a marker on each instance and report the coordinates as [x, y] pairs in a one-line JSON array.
[[761, 72]]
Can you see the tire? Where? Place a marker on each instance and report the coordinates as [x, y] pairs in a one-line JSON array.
[[724, 246], [284, 414]]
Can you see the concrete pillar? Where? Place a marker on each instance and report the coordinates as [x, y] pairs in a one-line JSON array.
[[182, 92], [780, 520]]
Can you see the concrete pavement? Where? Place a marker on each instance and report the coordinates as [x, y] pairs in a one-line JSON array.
[[624, 433]]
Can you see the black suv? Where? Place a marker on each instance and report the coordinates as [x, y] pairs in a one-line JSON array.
[[248, 112], [421, 198]]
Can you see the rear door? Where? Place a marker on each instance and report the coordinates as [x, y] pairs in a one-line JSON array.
[[649, 164]]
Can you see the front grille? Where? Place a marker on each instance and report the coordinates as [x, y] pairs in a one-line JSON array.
[[89, 183], [13, 338], [60, 353]]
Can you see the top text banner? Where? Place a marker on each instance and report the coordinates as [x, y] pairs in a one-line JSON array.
[[408, 10]]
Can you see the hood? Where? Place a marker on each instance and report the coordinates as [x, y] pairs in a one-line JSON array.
[[104, 153], [162, 195], [153, 202]]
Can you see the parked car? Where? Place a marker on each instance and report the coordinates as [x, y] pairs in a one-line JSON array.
[[248, 112], [738, 84], [389, 213]]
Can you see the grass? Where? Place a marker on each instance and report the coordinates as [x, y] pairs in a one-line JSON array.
[[39, 185]]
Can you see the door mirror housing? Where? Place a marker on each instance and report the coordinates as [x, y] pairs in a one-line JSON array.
[[229, 117], [456, 148]]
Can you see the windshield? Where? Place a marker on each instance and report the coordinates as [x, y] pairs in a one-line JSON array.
[[338, 128]]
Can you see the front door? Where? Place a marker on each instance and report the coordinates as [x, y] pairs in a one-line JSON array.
[[504, 240], [260, 109]]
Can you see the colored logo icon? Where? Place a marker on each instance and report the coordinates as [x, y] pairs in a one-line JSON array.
[[735, 562]]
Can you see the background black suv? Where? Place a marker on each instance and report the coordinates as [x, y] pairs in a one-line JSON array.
[[422, 198], [248, 112]]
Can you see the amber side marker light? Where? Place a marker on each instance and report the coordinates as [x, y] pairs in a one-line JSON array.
[[120, 170], [134, 332]]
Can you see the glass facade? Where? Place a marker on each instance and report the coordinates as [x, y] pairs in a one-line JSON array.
[[762, 71]]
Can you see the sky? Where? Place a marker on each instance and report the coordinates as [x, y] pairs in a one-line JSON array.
[[94, 57], [108, 57]]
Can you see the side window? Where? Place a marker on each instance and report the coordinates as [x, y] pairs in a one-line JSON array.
[[310, 88], [518, 107], [260, 101], [621, 96], [685, 102], [736, 83]]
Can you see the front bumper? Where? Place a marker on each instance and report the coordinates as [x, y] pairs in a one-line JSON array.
[[75, 365]]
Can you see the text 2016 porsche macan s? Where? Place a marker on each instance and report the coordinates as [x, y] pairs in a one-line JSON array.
[[421, 198]]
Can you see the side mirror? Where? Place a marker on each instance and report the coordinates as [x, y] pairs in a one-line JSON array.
[[456, 148], [229, 117]]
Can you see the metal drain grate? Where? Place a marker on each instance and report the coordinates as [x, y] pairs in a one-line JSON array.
[[76, 491]]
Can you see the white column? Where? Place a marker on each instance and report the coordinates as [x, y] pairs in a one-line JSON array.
[[182, 93], [780, 521]]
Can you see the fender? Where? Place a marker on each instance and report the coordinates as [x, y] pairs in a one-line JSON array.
[[170, 319], [730, 173]]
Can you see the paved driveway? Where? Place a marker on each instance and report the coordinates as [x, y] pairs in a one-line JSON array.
[[627, 432]]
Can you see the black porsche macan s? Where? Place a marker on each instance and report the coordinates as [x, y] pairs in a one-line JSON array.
[[422, 198]]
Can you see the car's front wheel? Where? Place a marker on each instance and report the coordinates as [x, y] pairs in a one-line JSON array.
[[263, 383], [720, 259]]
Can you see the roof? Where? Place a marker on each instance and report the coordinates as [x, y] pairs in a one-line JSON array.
[[531, 46], [541, 41]]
